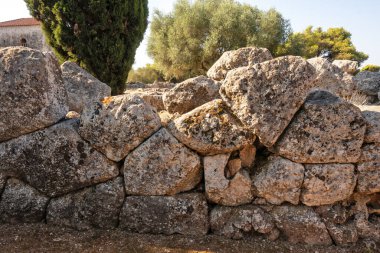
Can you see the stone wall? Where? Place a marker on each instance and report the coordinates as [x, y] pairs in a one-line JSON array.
[[262, 151], [12, 36]]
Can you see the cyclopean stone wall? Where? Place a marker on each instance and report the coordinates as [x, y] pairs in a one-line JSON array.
[[268, 155]]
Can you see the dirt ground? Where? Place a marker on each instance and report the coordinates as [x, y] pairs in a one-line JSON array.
[[41, 238]]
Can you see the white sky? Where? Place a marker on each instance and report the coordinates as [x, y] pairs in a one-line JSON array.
[[361, 18]]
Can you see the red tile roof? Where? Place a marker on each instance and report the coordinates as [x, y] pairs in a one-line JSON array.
[[20, 22]]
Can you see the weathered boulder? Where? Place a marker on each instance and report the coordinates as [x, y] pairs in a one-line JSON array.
[[190, 94], [368, 177], [332, 78], [235, 222], [326, 184], [55, 160], [185, 214], [161, 166], [350, 67], [237, 58], [325, 130], [247, 155], [266, 96], [368, 82], [300, 224], [97, 206], [221, 190], [279, 180], [152, 96], [21, 203], [31, 91], [82, 88], [210, 129], [118, 125], [367, 227], [373, 126], [344, 234]]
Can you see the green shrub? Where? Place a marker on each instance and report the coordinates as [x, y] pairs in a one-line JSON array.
[[371, 68]]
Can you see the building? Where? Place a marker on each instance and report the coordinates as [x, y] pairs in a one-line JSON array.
[[25, 32]]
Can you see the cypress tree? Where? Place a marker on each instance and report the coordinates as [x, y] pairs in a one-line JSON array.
[[102, 36]]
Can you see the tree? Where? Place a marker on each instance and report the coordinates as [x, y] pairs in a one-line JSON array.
[[147, 74], [100, 35], [312, 42], [187, 41]]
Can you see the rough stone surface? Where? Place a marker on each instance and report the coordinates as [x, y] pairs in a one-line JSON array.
[[97, 206], [370, 153], [190, 94], [326, 184], [247, 155], [346, 234], [325, 130], [330, 77], [55, 160], [237, 58], [266, 96], [221, 190], [152, 96], [21, 203], [161, 166], [279, 180], [82, 88], [300, 224], [185, 214], [118, 124], [210, 129], [350, 67], [31, 91], [235, 222], [373, 126], [335, 214], [368, 82], [368, 177]]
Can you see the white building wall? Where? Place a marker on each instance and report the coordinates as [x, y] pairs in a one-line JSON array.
[[12, 36]]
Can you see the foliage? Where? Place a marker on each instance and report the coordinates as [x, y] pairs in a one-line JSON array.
[[100, 35], [371, 68], [187, 41], [147, 74], [312, 42]]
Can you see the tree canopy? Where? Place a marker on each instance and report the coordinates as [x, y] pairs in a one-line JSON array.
[[187, 41], [147, 74], [312, 42], [100, 35]]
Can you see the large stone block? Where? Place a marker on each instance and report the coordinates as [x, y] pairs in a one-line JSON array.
[[210, 129], [221, 190], [161, 166], [326, 184], [82, 88], [266, 96], [300, 224], [237, 58], [279, 180], [97, 206], [373, 126], [117, 125], [21, 203], [368, 177], [31, 91], [190, 94], [55, 160], [236, 222], [325, 130], [368, 82], [185, 214], [347, 66]]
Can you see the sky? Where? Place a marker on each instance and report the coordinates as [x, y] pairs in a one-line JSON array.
[[360, 18]]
